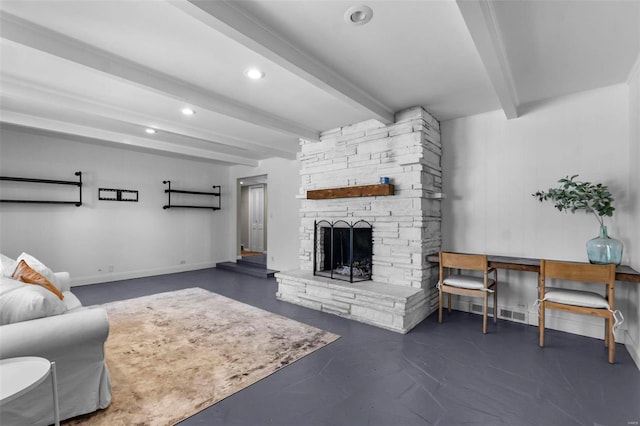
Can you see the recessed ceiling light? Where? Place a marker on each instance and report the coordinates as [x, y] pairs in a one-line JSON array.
[[254, 73], [188, 111], [241, 183], [358, 15], [150, 130]]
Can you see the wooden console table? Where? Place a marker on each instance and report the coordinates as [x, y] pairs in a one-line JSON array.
[[623, 272]]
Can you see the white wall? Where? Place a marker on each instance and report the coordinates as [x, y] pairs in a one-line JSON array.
[[283, 185], [633, 311], [491, 166], [135, 238]]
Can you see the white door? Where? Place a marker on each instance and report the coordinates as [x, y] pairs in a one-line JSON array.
[[256, 218]]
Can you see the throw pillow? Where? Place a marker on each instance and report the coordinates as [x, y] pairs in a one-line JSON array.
[[7, 266], [27, 275], [9, 284], [28, 302], [40, 268]]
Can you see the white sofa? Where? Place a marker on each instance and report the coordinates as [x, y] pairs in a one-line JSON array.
[[73, 339]]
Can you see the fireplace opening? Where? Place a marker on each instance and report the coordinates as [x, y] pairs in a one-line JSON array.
[[343, 251]]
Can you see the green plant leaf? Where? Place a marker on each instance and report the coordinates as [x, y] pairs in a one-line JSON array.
[[575, 195]]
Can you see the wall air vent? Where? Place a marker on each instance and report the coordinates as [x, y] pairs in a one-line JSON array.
[[478, 308], [504, 313]]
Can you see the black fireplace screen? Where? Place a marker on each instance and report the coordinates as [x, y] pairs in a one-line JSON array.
[[343, 251]]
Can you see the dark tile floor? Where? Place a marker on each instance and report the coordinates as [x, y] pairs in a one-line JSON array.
[[440, 374]]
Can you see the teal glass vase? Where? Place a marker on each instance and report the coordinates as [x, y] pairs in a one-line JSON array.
[[603, 249]]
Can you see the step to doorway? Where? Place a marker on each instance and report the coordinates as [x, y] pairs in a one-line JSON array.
[[259, 259], [247, 268]]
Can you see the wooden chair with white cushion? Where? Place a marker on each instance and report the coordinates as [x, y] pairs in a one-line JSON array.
[[579, 301], [466, 283]]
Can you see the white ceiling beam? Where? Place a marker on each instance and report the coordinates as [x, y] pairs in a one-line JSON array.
[[28, 92], [634, 69], [42, 39], [225, 18], [120, 139], [480, 19]]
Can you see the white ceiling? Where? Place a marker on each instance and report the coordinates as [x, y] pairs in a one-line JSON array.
[[108, 69]]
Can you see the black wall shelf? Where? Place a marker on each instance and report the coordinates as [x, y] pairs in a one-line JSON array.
[[47, 181], [170, 191]]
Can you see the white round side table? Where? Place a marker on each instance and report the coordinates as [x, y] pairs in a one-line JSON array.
[[19, 375]]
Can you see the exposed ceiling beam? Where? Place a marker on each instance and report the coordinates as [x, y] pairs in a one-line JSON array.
[[634, 69], [224, 17], [120, 139], [29, 92], [480, 19], [42, 39]]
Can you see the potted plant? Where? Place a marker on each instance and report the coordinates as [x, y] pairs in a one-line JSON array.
[[573, 195]]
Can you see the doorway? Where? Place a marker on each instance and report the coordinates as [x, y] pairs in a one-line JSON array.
[[256, 218], [252, 217]]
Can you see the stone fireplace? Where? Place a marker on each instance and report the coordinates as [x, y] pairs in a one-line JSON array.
[[405, 225]]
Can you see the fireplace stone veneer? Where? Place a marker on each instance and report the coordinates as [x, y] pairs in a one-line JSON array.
[[394, 307], [406, 225]]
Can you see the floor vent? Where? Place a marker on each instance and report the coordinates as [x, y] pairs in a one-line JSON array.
[[504, 313], [478, 308], [520, 316], [514, 315]]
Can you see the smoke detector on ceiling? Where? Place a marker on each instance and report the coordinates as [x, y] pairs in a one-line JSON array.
[[358, 15]]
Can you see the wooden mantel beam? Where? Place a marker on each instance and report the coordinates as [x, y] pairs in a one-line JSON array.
[[351, 191]]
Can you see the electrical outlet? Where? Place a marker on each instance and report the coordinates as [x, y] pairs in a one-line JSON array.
[[182, 262], [110, 268]]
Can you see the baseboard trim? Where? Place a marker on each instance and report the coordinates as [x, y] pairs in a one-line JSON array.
[[574, 324], [633, 350], [109, 277]]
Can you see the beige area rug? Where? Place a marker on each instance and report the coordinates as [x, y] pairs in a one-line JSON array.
[[173, 354]]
